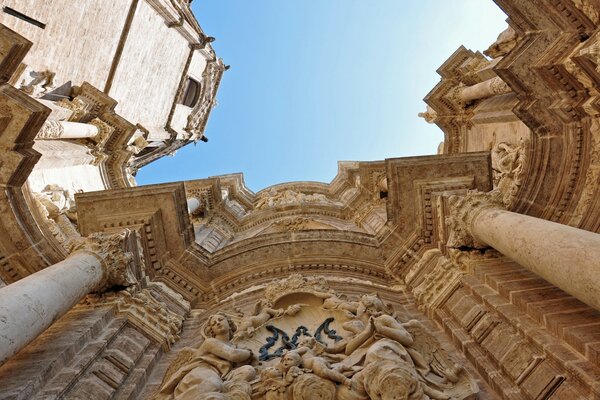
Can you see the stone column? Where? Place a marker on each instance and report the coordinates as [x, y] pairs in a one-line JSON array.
[[30, 305], [67, 130], [489, 88], [565, 256], [193, 204]]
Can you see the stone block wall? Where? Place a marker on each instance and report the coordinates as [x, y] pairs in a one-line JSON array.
[[527, 338], [92, 34]]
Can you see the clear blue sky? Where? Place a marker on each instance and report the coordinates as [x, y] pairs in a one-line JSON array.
[[317, 81]]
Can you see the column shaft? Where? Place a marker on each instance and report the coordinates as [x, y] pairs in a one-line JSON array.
[[30, 305], [485, 89], [565, 256], [67, 130], [193, 204]]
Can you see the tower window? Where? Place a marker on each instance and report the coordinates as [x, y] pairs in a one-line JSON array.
[[191, 94], [24, 17]]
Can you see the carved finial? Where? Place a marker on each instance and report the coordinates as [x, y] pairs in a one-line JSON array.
[[113, 252], [463, 210]]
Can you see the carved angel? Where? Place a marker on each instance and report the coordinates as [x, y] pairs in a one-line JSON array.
[[210, 370], [262, 313]]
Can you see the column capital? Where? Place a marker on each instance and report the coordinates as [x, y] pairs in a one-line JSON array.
[[113, 252], [462, 210]]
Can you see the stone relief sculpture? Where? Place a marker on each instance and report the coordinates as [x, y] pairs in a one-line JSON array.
[[508, 162], [305, 341], [57, 207], [274, 198], [210, 371]]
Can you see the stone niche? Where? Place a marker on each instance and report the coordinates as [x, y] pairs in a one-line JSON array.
[[304, 340]]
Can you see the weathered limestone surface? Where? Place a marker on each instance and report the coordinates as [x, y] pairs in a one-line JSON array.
[[65, 23], [523, 124], [565, 256], [32, 304]]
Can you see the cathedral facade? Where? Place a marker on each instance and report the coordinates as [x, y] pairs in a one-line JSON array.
[[470, 274]]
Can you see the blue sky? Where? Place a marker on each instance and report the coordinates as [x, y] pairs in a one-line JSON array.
[[313, 82]]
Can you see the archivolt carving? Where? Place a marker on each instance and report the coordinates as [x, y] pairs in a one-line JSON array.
[[310, 342]]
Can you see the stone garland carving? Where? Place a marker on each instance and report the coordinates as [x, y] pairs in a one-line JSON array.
[[110, 249], [273, 198], [295, 224], [508, 164], [462, 211], [498, 86], [341, 349], [444, 276]]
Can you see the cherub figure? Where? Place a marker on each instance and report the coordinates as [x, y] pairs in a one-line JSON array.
[[289, 365], [263, 312], [311, 351], [212, 368]]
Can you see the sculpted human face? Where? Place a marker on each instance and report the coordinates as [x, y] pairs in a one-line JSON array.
[[289, 360], [219, 325]]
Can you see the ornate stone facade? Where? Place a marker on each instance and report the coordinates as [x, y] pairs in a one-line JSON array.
[[469, 274]]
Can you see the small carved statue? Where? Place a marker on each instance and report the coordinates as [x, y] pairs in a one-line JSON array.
[[211, 369], [38, 83]]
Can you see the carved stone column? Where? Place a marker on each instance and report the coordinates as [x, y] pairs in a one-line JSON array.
[[489, 88], [30, 305], [67, 130], [565, 256], [193, 204]]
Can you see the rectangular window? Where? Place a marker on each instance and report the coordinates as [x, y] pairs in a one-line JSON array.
[[24, 17]]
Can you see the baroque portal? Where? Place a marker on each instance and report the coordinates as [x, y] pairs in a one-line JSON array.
[[306, 341]]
